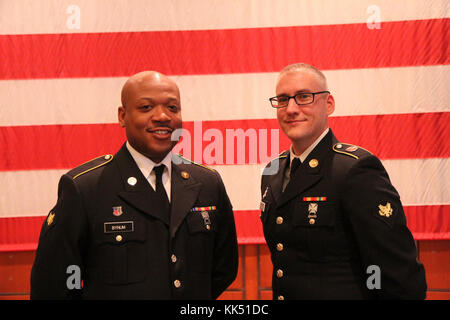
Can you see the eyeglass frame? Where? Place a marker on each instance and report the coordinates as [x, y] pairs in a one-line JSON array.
[[293, 97]]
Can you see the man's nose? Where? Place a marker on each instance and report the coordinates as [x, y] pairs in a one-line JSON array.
[[160, 113], [292, 106]]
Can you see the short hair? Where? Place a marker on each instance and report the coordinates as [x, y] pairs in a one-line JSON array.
[[301, 66]]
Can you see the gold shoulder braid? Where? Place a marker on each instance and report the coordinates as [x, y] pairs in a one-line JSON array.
[[106, 158], [198, 164], [348, 149]]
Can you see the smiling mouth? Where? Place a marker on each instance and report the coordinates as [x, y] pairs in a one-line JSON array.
[[161, 133], [160, 130], [295, 121]]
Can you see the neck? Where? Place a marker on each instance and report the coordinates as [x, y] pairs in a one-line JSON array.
[[298, 147], [301, 146]]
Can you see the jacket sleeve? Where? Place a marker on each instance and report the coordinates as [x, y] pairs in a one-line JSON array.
[[58, 266], [226, 257], [378, 221]]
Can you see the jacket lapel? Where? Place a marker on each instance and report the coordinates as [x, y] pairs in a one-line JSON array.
[[275, 181], [302, 180], [137, 192], [184, 194]]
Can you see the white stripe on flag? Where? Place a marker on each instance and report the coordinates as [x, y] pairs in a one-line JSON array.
[[49, 16], [226, 97]]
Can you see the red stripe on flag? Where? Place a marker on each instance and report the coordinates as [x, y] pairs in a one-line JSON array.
[[429, 222], [399, 43], [422, 135], [20, 233], [56, 146], [425, 222]]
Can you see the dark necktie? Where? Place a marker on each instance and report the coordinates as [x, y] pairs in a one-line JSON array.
[[294, 166], [160, 191]]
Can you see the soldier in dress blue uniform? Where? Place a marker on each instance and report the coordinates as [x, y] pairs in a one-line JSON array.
[[333, 222], [143, 223]]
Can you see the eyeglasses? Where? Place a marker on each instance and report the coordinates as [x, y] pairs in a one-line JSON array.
[[301, 98]]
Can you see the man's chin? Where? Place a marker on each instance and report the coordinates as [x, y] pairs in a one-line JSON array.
[[157, 153], [296, 136], [158, 156]]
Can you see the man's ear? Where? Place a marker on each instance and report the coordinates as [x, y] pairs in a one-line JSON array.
[[121, 116], [330, 104]]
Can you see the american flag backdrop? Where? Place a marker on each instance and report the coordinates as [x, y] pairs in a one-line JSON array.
[[63, 63]]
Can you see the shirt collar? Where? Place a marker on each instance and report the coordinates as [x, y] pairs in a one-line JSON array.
[[146, 165], [306, 153]]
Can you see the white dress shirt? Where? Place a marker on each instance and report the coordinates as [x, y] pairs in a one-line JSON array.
[[146, 166]]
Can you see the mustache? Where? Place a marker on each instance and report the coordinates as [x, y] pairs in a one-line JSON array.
[[160, 127], [295, 119]]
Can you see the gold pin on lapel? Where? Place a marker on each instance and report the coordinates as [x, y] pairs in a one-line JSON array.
[[185, 175], [50, 218], [313, 163]]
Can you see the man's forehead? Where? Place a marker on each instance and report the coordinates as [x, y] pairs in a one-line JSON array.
[[300, 79], [149, 79], [157, 97], [149, 83]]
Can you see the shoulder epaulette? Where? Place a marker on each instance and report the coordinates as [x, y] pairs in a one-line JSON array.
[[91, 165], [198, 164], [350, 150], [283, 154]]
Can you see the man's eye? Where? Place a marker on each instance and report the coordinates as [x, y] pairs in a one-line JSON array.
[[147, 107], [303, 96], [173, 107], [282, 99]]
